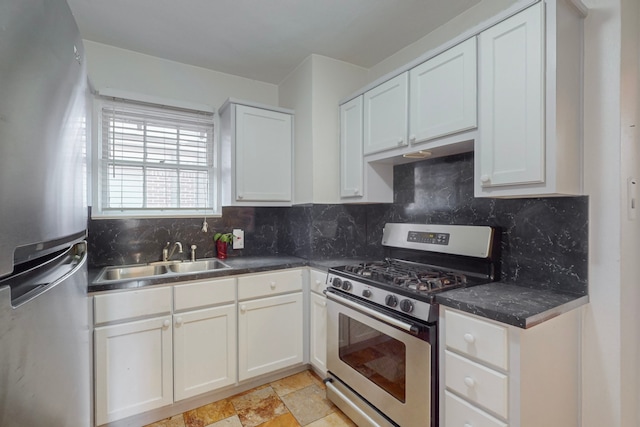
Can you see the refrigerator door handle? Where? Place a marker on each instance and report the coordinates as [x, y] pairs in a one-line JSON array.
[[30, 284]]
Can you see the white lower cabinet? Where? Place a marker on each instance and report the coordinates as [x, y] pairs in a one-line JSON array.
[[204, 347], [270, 322], [318, 322], [204, 339], [497, 375], [133, 358]]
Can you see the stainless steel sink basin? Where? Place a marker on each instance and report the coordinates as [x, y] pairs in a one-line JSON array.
[[195, 266], [132, 272], [155, 269]]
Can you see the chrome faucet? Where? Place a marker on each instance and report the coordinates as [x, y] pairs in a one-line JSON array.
[[193, 252], [166, 255]]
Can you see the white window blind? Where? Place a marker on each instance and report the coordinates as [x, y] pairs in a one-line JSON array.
[[155, 160]]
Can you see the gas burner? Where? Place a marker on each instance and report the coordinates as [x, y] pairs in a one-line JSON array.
[[413, 276]]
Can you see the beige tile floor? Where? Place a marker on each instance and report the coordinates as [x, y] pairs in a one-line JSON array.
[[294, 401]]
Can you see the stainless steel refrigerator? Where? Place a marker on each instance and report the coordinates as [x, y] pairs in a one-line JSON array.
[[44, 318]]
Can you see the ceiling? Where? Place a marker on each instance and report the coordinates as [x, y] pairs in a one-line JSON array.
[[262, 39]]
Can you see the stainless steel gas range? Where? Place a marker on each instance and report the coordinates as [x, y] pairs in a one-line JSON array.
[[382, 320]]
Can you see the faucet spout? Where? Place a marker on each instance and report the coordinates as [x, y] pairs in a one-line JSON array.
[[173, 249]]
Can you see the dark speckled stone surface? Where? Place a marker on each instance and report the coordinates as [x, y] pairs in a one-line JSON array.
[[544, 241], [511, 304]]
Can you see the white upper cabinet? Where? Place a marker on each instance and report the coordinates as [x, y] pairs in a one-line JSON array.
[[257, 145], [351, 178], [530, 69], [386, 115], [442, 96]]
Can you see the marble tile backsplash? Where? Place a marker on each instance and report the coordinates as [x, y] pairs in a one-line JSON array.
[[544, 241]]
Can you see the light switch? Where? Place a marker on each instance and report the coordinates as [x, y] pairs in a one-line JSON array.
[[238, 238]]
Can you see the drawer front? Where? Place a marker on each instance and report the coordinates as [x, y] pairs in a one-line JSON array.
[[202, 294], [477, 383], [318, 281], [477, 338], [131, 304], [259, 285], [459, 413]]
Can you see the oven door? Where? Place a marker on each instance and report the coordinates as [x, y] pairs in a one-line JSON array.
[[385, 362]]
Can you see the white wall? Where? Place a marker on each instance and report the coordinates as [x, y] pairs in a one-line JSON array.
[[455, 27], [111, 67], [295, 93], [314, 90]]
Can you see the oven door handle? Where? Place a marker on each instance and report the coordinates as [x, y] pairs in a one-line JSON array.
[[411, 328]]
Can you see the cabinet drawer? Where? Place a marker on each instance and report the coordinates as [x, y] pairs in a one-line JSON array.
[[477, 338], [202, 294], [317, 281], [266, 284], [459, 413], [477, 383], [132, 304]]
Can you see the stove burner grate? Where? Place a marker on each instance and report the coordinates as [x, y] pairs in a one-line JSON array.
[[414, 276]]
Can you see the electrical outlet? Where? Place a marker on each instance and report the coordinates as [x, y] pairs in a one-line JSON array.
[[238, 238]]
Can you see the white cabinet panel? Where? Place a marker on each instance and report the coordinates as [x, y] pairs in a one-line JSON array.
[[270, 334], [266, 284], [256, 155], [204, 293], [351, 140], [461, 414], [204, 350], [511, 87], [263, 155], [442, 94], [477, 383], [116, 306], [318, 332], [477, 338], [133, 368], [386, 114]]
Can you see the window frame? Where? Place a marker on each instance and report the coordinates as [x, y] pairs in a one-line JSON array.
[[97, 210]]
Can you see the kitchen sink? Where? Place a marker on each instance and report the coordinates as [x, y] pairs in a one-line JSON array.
[[159, 269], [132, 272], [195, 266]]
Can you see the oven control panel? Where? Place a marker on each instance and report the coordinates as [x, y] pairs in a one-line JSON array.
[[428, 237], [400, 303]]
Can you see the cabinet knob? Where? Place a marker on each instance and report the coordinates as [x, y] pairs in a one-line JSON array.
[[318, 282], [356, 191], [469, 382], [469, 338], [243, 308], [467, 425], [166, 323], [400, 142], [412, 138], [240, 196], [485, 178], [178, 321], [273, 285], [324, 303]]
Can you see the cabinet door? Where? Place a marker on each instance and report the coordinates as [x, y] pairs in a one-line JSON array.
[[443, 93], [351, 178], [511, 145], [269, 334], [263, 155], [204, 350], [318, 332], [133, 368], [386, 114]]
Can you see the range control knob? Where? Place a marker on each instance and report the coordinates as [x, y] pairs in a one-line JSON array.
[[336, 282], [346, 285], [406, 306], [391, 300], [366, 293]]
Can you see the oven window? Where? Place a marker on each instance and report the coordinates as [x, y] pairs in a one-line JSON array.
[[378, 357]]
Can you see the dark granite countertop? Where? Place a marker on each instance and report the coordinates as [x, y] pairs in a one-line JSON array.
[[239, 265], [511, 304], [504, 302]]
